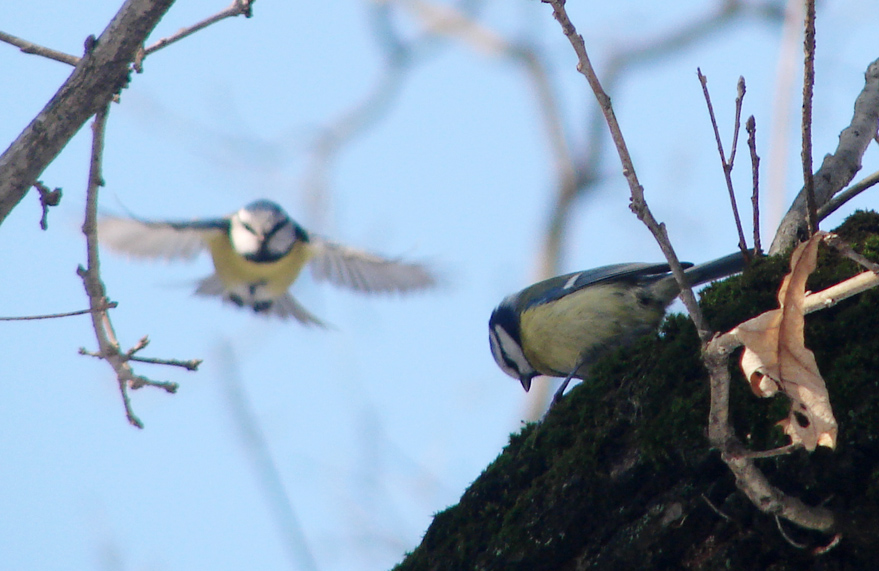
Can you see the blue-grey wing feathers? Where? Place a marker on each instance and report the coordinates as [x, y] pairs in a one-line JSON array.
[[560, 286], [365, 272], [166, 240]]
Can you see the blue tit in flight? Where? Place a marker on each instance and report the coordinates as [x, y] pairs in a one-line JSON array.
[[560, 326], [258, 252]]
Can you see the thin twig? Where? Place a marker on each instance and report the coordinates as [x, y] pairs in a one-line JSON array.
[[715, 508], [584, 169], [259, 452], [138, 382], [47, 198], [821, 550], [842, 291], [780, 451], [399, 56], [109, 305], [143, 342], [638, 204], [108, 344], [190, 365], [237, 8], [840, 245], [847, 195], [751, 128], [31, 48], [740, 96], [109, 347], [839, 168], [586, 163], [786, 537], [808, 88], [727, 165]]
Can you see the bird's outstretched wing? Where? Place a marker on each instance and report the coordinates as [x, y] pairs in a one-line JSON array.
[[366, 272], [167, 240]]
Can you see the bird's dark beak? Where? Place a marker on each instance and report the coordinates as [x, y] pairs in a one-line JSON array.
[[526, 382]]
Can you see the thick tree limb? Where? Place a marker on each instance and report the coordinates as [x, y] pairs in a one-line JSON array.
[[99, 75], [838, 169]]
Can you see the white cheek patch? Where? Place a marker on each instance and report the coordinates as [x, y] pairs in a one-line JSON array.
[[506, 351], [496, 351], [243, 240]]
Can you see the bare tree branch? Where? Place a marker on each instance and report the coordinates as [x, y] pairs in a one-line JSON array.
[[808, 89], [749, 479], [727, 165], [838, 169], [638, 204], [847, 194], [31, 48], [260, 454], [331, 138], [94, 287], [716, 351], [843, 248], [579, 171], [586, 163], [48, 198], [751, 128], [237, 8], [99, 75], [110, 305]]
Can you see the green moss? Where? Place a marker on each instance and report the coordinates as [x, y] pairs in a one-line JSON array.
[[619, 475]]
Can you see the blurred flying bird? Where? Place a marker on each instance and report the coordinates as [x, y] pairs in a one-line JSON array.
[[258, 252]]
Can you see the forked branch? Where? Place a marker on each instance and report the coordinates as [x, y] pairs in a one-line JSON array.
[[108, 344]]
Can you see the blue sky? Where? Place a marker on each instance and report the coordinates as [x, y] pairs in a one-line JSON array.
[[377, 424]]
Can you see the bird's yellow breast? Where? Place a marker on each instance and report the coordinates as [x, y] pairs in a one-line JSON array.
[[557, 336], [235, 270]]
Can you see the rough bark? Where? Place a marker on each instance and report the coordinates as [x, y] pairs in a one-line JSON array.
[[101, 73]]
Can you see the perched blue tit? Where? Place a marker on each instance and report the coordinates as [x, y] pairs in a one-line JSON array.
[[258, 252], [560, 326]]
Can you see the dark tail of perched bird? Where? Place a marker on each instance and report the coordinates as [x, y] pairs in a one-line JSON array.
[[667, 288]]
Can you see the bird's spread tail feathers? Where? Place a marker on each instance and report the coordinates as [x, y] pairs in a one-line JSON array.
[[283, 307]]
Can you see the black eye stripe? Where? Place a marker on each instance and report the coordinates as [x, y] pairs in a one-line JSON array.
[[496, 342], [275, 229]]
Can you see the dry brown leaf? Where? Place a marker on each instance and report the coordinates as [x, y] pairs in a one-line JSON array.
[[776, 358]]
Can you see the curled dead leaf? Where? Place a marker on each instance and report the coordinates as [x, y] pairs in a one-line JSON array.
[[776, 358]]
